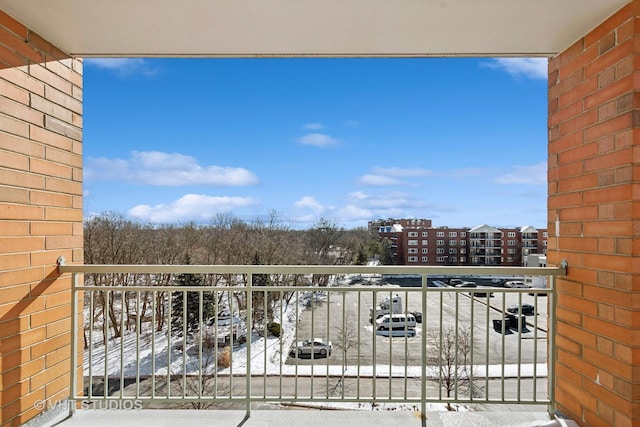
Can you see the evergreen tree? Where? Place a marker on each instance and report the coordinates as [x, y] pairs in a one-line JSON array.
[[386, 256], [192, 316]]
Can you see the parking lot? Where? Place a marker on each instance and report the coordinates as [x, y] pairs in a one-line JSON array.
[[343, 318]]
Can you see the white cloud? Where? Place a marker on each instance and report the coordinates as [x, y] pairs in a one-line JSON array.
[[166, 169], [534, 174], [190, 207], [533, 68], [390, 176], [378, 180], [310, 203], [313, 126], [122, 66], [318, 140]]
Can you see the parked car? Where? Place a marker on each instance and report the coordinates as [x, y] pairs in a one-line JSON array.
[[396, 321], [417, 315], [526, 309], [515, 284], [481, 294], [396, 332], [312, 347], [466, 285]]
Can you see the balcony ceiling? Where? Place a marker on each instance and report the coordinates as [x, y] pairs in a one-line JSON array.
[[311, 27]]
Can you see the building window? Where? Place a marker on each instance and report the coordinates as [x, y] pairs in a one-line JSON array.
[[413, 259], [440, 250], [453, 259], [425, 243], [511, 243], [413, 234], [511, 251], [463, 259], [425, 259], [412, 243], [463, 234], [425, 234], [440, 234], [511, 234], [453, 251], [440, 259], [440, 242], [544, 243], [453, 234], [453, 242], [413, 250], [425, 250], [509, 259], [545, 234]]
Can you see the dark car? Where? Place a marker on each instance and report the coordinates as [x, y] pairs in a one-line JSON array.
[[526, 309]]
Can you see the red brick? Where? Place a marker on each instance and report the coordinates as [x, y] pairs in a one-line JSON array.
[[578, 304], [14, 261], [48, 77], [21, 244], [20, 145], [577, 93], [26, 179], [577, 123], [610, 194], [11, 24], [15, 161], [13, 126], [578, 62], [609, 127], [14, 92], [17, 44], [609, 25], [610, 58], [64, 157], [51, 52], [51, 109], [51, 139], [66, 186], [578, 183], [62, 242]]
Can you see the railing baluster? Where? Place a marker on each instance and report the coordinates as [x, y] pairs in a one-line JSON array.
[[185, 296], [138, 318], [91, 319], [249, 299], [105, 339], [123, 301]]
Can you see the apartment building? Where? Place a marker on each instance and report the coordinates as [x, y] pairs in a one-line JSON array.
[[417, 242]]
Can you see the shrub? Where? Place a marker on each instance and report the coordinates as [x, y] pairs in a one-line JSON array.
[[274, 329], [224, 359]]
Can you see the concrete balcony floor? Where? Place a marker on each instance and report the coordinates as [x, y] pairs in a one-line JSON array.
[[308, 418]]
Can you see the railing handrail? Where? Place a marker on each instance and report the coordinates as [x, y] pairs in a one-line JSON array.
[[312, 269]]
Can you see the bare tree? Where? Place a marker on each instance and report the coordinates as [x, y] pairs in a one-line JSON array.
[[346, 338], [449, 350]]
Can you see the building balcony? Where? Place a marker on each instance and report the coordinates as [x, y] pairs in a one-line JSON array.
[[230, 339]]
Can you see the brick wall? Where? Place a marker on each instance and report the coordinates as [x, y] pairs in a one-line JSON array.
[[594, 197], [40, 217]]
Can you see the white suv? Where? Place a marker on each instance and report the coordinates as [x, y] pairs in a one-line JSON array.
[[396, 321]]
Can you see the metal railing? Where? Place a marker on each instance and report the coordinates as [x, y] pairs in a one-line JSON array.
[[228, 336]]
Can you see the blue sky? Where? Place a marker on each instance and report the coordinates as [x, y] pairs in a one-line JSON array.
[[462, 141]]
